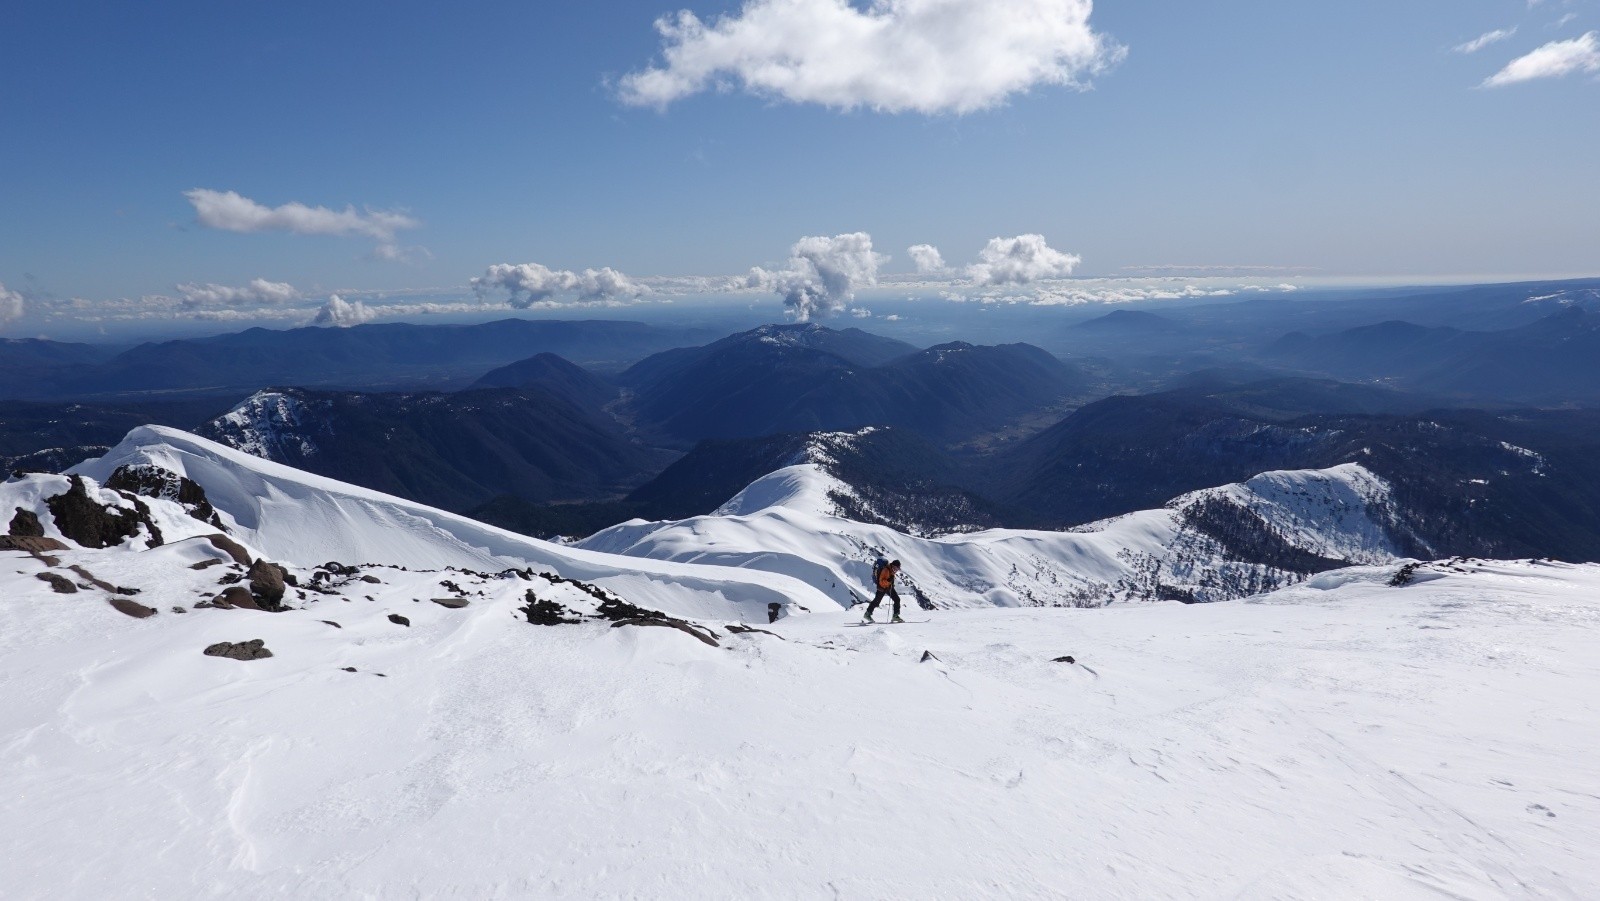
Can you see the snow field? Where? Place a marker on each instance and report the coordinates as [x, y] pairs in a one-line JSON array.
[[1355, 740]]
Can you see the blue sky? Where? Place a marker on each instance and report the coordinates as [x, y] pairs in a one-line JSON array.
[[1336, 140]]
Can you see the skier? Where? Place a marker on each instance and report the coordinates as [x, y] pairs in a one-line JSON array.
[[883, 581]]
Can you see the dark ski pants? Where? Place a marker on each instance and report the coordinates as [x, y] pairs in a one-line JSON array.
[[878, 599]]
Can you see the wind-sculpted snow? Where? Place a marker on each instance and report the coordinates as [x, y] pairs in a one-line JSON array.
[[789, 522], [305, 519]]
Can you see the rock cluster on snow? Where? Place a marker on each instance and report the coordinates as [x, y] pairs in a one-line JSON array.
[[254, 649]]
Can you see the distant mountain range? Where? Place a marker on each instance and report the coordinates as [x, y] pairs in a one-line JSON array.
[[805, 378], [1555, 360], [394, 355]]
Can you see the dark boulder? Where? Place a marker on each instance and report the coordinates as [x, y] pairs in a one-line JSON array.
[[60, 583], [26, 524], [1063, 660], [230, 547], [268, 582], [132, 608], [927, 656], [236, 598], [254, 649], [451, 603], [399, 620]]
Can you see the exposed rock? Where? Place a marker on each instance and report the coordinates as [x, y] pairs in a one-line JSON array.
[[133, 609], [548, 613], [206, 564], [1063, 660], [617, 610], [373, 579], [236, 598], [349, 669], [230, 547], [1405, 576], [30, 544], [26, 524], [452, 603], [666, 622], [179, 610], [399, 620], [774, 610], [928, 655], [268, 583], [60, 583], [254, 649], [329, 622], [741, 629], [101, 584], [153, 481], [89, 523]]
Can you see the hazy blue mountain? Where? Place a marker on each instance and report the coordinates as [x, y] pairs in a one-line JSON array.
[[556, 375], [794, 379]]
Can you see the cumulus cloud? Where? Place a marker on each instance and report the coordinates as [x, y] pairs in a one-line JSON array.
[[1553, 60], [822, 275], [1484, 40], [257, 292], [231, 211], [1022, 260], [342, 313], [927, 258], [926, 56], [11, 305], [531, 283]]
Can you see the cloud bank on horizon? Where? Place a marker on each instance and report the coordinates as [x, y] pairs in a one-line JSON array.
[[894, 56], [533, 284]]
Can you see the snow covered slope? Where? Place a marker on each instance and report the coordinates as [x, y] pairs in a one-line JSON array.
[[303, 519], [1341, 739], [1211, 545]]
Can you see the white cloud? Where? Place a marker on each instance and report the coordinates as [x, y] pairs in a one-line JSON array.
[[230, 211], [531, 284], [342, 313], [1020, 261], [1553, 60], [927, 56], [861, 312], [823, 274], [1484, 40], [258, 291], [927, 259], [11, 305]]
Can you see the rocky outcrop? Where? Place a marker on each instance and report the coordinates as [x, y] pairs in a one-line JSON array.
[[33, 546], [147, 480], [92, 524], [399, 620], [26, 525], [254, 649]]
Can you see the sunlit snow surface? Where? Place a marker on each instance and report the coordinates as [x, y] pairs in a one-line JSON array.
[[1351, 741]]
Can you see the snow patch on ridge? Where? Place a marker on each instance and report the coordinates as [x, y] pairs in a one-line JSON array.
[[787, 522]]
